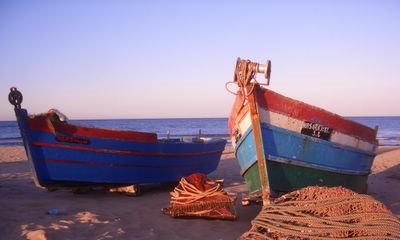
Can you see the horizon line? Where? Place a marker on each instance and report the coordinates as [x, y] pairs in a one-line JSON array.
[[177, 118]]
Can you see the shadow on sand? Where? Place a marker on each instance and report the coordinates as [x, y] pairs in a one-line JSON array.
[[103, 215], [384, 184]]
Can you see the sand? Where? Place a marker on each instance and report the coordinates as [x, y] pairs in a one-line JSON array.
[[104, 215]]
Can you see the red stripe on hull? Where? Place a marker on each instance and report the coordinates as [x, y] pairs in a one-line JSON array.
[[300, 110], [275, 102], [139, 153], [41, 123]]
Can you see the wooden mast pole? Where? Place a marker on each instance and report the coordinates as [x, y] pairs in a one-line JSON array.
[[244, 73]]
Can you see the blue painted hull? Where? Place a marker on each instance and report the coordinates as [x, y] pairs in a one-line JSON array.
[[294, 154], [114, 161]]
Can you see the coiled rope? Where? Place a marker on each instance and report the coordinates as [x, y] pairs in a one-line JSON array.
[[202, 198], [188, 193], [324, 213]]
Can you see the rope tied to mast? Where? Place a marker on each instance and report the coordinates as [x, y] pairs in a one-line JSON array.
[[245, 72]]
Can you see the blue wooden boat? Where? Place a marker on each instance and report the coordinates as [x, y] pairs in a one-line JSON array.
[[62, 154], [283, 144]]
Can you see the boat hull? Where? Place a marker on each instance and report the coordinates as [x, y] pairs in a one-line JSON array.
[[296, 157], [286, 178], [63, 154]]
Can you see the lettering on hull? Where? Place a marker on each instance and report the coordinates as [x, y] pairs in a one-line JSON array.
[[75, 140], [316, 130]]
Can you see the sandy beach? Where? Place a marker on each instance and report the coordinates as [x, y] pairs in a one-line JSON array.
[[104, 215]]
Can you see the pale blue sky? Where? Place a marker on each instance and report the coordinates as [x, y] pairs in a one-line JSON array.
[[157, 59]]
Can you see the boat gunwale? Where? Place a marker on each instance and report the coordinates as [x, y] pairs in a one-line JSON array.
[[37, 123]]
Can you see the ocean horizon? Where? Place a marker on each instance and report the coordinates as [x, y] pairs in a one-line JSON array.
[[388, 127]]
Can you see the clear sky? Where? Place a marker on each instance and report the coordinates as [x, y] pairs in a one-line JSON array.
[[158, 59]]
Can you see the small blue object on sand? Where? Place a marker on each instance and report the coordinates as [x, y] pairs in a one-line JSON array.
[[56, 211]]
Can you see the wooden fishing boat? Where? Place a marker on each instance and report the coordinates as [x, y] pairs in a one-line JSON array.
[[62, 154], [283, 144]]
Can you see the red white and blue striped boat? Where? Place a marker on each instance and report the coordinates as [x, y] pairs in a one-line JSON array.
[[62, 154], [302, 144]]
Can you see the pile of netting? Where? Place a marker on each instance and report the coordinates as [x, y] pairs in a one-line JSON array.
[[199, 196], [324, 213]]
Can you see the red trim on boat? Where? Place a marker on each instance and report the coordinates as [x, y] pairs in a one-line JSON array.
[[52, 160], [102, 150], [275, 102], [41, 123], [278, 103]]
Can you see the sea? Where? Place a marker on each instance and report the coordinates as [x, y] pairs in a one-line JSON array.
[[388, 128]]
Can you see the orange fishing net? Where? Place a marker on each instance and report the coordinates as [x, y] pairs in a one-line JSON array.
[[199, 196], [324, 213]]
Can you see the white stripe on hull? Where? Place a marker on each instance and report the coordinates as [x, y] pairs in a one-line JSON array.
[[295, 125]]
